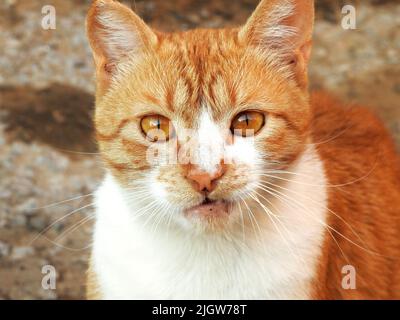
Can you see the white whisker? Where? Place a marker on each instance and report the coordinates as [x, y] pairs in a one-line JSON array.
[[60, 219]]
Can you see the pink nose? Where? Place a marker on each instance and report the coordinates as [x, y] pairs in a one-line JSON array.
[[203, 180]]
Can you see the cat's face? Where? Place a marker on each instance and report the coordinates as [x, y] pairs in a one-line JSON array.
[[189, 123]]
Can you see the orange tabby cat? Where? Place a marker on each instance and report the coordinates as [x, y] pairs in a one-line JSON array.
[[225, 178]]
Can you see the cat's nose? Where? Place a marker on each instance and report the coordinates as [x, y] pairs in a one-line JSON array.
[[203, 180]]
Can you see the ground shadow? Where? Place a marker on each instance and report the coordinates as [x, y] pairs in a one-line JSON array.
[[58, 115]]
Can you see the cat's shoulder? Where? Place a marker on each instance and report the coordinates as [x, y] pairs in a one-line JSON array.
[[346, 124], [330, 112], [351, 137]]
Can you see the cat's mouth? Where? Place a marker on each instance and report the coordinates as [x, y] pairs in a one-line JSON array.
[[209, 208]]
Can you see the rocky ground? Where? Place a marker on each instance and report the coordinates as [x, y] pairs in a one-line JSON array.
[[48, 161]]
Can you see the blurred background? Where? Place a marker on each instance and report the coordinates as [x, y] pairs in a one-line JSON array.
[[48, 161]]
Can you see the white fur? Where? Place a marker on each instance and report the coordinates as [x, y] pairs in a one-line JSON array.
[[132, 262], [274, 32], [117, 36], [212, 146], [210, 142]]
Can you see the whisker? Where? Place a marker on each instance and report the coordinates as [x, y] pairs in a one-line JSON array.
[[164, 213], [170, 220], [74, 227], [58, 220], [242, 220], [318, 143], [265, 173], [318, 203], [78, 152], [271, 216], [152, 215], [273, 193], [252, 218], [278, 217], [63, 201], [65, 247]]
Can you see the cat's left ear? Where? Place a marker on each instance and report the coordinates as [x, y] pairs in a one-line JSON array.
[[115, 32], [285, 27]]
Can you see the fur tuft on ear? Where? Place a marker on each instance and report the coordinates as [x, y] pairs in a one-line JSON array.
[[284, 27], [115, 32]]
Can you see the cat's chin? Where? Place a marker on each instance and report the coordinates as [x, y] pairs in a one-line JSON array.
[[209, 209]]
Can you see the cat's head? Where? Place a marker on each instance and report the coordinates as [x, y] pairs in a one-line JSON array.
[[190, 123]]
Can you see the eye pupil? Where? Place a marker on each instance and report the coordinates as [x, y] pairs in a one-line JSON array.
[[156, 128], [247, 123]]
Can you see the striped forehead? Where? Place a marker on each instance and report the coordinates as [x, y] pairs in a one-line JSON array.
[[200, 76]]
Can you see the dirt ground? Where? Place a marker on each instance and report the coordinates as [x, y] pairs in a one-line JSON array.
[[48, 161]]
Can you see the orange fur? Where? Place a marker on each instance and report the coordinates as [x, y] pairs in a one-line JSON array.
[[230, 69], [93, 291], [361, 151]]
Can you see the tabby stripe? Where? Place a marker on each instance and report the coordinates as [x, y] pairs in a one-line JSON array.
[[115, 165], [112, 136]]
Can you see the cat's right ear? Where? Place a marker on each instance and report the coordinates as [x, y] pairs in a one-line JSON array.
[[284, 27], [115, 32]]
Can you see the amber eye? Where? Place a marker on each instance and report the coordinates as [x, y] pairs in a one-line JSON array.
[[157, 128], [247, 123]]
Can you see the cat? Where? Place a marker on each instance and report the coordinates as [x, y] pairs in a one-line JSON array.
[[282, 193]]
